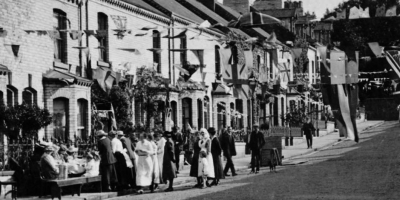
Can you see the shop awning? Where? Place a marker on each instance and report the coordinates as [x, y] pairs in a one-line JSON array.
[[67, 78], [3, 70]]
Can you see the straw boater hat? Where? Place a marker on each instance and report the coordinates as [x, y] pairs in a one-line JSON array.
[[49, 148], [256, 124], [120, 133], [100, 133], [72, 149]]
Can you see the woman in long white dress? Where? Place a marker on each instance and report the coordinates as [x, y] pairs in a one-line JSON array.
[[160, 141], [144, 150], [156, 168], [205, 145]]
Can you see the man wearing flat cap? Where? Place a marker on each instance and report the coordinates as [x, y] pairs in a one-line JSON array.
[[107, 163], [256, 143], [48, 165]]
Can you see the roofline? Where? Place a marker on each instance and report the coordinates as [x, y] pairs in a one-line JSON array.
[[137, 10]]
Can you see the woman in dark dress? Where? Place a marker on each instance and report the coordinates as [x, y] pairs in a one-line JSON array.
[[169, 166], [216, 151], [195, 160]]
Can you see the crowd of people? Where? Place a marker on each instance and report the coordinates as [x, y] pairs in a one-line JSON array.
[[142, 160]]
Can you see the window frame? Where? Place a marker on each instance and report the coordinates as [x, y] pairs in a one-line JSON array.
[[102, 23], [62, 45], [157, 45]]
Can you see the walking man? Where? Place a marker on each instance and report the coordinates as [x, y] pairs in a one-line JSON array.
[[229, 149], [307, 129], [178, 139], [107, 163], [257, 141]]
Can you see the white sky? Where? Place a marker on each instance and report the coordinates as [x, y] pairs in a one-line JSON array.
[[318, 6]]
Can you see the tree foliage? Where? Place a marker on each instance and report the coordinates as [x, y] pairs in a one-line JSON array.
[[28, 118], [296, 117], [120, 98]]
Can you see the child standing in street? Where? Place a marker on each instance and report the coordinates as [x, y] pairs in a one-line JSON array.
[[203, 168]]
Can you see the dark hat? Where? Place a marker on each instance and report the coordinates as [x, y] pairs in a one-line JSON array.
[[203, 153], [120, 133], [168, 134], [100, 133], [112, 133]]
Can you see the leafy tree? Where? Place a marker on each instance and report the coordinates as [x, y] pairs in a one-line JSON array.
[[147, 89], [28, 118], [296, 117]]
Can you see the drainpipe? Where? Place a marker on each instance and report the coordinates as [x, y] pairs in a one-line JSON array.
[[80, 42]]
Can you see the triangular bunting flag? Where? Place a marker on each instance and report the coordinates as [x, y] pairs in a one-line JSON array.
[[180, 35], [381, 11], [354, 13], [391, 12], [179, 67], [15, 49], [364, 13], [341, 14]]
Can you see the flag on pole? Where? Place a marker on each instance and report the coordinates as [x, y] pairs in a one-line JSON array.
[[381, 11], [376, 49], [391, 12], [341, 14], [364, 13], [254, 19], [354, 13], [393, 58], [180, 35]]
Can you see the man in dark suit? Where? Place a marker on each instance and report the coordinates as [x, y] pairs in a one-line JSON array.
[[256, 143], [178, 139], [107, 163], [307, 129], [130, 149], [229, 149]]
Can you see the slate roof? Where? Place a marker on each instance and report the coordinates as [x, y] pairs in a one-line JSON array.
[[323, 26], [202, 11], [146, 6], [66, 76], [281, 13], [171, 6]]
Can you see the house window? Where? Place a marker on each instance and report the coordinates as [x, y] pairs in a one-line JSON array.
[[61, 119], [1, 98], [60, 46], [217, 60], [186, 113], [235, 54], [184, 53], [233, 119], [29, 96], [221, 118], [102, 20], [12, 96], [206, 113], [258, 62], [82, 119], [157, 54], [174, 117], [199, 113], [249, 113], [239, 108]]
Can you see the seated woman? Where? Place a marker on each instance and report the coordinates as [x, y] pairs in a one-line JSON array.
[[74, 169], [48, 165], [92, 164]]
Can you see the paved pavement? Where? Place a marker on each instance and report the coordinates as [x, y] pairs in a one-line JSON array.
[[242, 164], [343, 170]]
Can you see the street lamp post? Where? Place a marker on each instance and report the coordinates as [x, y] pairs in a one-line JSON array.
[[253, 85]]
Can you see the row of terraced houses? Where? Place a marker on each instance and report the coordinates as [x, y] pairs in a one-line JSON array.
[[38, 69]]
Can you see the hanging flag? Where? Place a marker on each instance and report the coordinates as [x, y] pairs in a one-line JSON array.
[[197, 54], [3, 33], [76, 35], [109, 80], [205, 24], [180, 35], [146, 28], [344, 108], [179, 67], [381, 11], [89, 32], [364, 13], [100, 75], [141, 34], [376, 49], [119, 21], [136, 51], [338, 67], [272, 40], [15, 49], [254, 19], [354, 13], [391, 12], [155, 50], [393, 58], [54, 35], [226, 54], [341, 14], [191, 70]]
